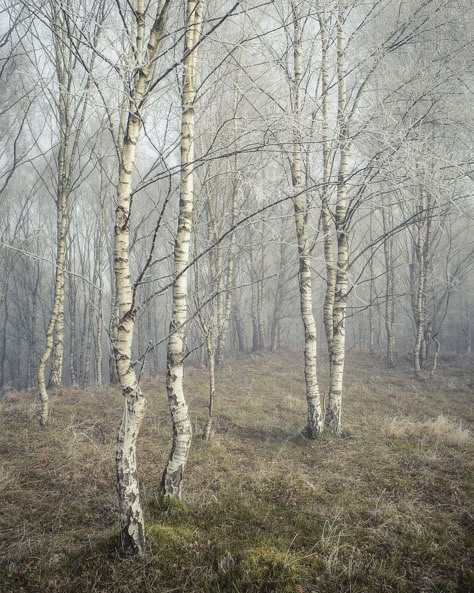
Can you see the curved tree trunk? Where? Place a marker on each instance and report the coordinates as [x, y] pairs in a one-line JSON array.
[[130, 510], [171, 482], [58, 288]]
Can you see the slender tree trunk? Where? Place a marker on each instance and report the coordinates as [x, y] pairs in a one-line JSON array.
[[131, 515], [72, 300], [99, 282], [435, 357], [372, 292], [34, 323], [337, 356], [130, 510], [281, 279], [427, 336], [219, 275], [171, 482], [58, 287], [466, 327], [72, 351], [329, 256], [84, 353], [113, 377], [56, 378], [387, 220], [314, 415], [239, 328], [260, 300], [98, 341], [67, 136], [212, 384], [254, 304], [6, 302], [419, 306], [230, 277]]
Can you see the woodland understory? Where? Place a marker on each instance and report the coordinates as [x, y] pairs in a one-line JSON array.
[[387, 508]]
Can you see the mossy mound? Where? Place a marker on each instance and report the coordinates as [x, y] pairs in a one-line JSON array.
[[267, 569], [169, 540], [169, 507]]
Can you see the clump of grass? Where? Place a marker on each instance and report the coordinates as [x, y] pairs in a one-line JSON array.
[[167, 508], [266, 569], [440, 429], [170, 541]]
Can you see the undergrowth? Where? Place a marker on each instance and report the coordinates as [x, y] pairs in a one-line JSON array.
[[388, 509]]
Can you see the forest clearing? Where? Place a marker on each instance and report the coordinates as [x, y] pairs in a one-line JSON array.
[[387, 507]]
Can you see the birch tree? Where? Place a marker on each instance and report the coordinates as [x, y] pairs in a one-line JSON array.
[[314, 413], [171, 482], [388, 249], [337, 351], [130, 509], [71, 114]]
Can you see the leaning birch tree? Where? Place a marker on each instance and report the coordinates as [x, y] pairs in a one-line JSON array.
[[130, 510], [71, 72]]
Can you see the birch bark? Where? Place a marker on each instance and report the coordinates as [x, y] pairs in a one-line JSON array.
[[130, 510], [329, 256], [71, 118], [171, 482], [314, 422], [337, 354]]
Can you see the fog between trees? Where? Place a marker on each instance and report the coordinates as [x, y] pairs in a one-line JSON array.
[[182, 181]]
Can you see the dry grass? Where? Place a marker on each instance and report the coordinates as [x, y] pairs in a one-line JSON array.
[[388, 509], [440, 429]]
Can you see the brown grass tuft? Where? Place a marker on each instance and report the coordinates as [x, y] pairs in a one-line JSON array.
[[440, 429]]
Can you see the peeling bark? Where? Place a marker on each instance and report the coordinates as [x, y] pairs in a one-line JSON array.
[[130, 511]]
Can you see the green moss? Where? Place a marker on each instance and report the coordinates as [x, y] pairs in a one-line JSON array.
[[171, 508], [169, 541], [267, 569], [466, 580]]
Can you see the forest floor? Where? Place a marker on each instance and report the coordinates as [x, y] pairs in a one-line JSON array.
[[386, 508]]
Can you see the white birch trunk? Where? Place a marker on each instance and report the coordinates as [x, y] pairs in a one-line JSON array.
[[212, 384], [337, 354], [130, 510], [59, 287], [420, 296], [171, 482], [314, 416], [329, 256], [56, 378]]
